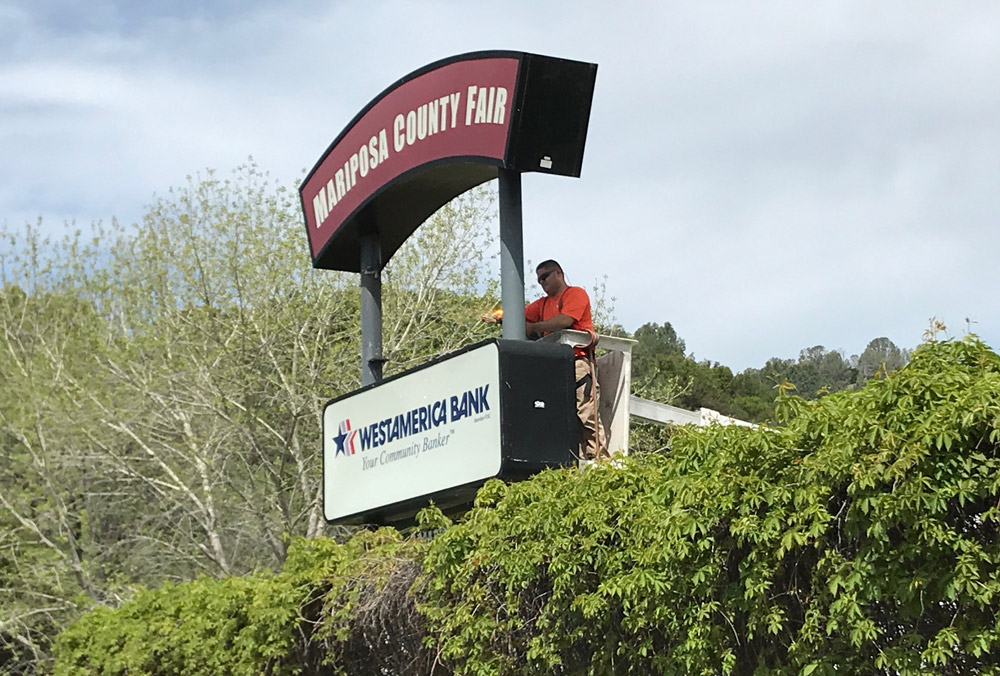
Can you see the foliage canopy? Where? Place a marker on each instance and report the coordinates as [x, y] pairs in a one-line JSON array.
[[162, 388], [861, 536]]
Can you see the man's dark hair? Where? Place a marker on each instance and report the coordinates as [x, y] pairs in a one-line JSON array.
[[548, 264]]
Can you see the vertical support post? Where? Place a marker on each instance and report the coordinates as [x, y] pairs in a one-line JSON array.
[[511, 255], [371, 309]]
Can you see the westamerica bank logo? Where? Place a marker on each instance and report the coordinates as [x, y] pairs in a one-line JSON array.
[[415, 421], [345, 439]]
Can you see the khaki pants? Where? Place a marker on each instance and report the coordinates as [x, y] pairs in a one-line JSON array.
[[592, 446]]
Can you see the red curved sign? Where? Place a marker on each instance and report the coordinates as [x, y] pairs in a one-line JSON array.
[[460, 110], [435, 134]]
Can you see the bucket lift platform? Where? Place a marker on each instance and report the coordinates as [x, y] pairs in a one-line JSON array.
[[617, 404]]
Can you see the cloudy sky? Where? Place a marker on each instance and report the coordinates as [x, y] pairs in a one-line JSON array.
[[765, 176]]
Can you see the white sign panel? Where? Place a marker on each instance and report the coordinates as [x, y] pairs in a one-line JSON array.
[[430, 430]]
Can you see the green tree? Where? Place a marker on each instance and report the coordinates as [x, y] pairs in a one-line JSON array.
[[881, 355], [163, 388], [817, 370], [51, 565], [657, 339], [662, 372]]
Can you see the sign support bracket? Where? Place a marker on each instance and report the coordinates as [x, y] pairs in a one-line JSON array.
[[371, 309], [511, 254]]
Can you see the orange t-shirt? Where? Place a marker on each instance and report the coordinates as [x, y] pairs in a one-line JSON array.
[[572, 302]]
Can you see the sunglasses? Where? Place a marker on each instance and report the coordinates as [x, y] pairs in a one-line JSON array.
[[545, 275]]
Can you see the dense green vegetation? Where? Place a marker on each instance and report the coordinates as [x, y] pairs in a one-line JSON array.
[[859, 537], [161, 391], [162, 386], [664, 373]]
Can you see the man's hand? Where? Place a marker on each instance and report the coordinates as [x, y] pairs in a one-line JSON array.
[[495, 317]]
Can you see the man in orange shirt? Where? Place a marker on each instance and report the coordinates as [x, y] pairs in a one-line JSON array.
[[568, 307]]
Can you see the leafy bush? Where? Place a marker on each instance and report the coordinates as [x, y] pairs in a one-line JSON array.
[[861, 537], [312, 615]]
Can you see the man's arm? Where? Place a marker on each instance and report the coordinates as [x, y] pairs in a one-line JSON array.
[[557, 323]]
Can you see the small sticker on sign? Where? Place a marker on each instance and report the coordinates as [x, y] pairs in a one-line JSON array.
[[539, 404], [546, 162]]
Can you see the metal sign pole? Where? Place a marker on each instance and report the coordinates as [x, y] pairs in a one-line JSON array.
[[371, 309], [511, 255]]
